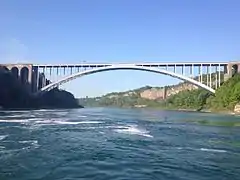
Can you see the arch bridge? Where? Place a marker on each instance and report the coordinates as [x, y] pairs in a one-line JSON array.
[[44, 77]]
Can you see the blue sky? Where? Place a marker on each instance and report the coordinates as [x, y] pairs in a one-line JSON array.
[[51, 31]]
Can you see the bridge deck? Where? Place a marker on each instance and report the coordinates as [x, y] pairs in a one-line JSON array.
[[138, 64]]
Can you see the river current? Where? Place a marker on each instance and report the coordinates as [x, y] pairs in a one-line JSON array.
[[119, 144]]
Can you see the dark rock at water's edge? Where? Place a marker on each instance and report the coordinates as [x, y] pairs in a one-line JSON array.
[[13, 95], [58, 99]]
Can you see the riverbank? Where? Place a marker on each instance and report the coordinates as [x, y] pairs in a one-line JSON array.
[[206, 111], [196, 110], [173, 109], [15, 96]]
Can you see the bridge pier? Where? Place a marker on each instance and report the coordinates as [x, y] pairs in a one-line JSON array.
[[233, 68], [22, 72], [35, 79], [41, 81], [28, 75]]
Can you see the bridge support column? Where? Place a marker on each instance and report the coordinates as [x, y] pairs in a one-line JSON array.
[[229, 72], [238, 70], [30, 74], [226, 73], [233, 68], [41, 81], [35, 79]]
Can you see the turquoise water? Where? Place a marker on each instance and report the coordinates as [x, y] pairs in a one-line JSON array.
[[105, 143]]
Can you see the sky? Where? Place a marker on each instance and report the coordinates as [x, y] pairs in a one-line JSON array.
[[113, 31]]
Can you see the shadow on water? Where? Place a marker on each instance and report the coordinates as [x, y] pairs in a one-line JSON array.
[[227, 143], [222, 125], [225, 123]]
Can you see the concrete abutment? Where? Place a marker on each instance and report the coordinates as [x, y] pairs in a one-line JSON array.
[[28, 75]]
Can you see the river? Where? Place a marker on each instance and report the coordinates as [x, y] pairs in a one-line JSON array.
[[111, 143]]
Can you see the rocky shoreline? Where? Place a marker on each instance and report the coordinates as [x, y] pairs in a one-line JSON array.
[[208, 111], [14, 96]]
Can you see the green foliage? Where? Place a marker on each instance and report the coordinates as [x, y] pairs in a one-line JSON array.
[[120, 100], [227, 96], [194, 99]]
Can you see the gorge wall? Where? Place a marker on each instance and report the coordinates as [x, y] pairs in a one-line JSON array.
[[165, 92], [142, 97]]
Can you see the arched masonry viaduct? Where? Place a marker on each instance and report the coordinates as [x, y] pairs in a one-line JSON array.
[[27, 74]]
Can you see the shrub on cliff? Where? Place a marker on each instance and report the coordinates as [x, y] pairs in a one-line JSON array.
[[189, 99], [58, 99], [226, 96]]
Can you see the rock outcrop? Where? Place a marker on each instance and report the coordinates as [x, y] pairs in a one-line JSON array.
[[237, 108], [171, 90], [152, 93], [161, 93]]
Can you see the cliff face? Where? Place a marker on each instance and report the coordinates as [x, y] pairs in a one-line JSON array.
[[181, 87], [142, 97], [159, 93], [152, 94], [13, 95]]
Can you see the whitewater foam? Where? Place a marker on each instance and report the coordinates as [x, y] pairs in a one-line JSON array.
[[33, 143], [3, 137], [132, 129], [29, 141], [202, 149], [81, 116], [14, 121], [77, 122], [213, 150], [54, 122]]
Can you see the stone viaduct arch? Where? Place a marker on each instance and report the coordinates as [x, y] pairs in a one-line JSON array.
[[15, 72], [233, 67], [22, 72]]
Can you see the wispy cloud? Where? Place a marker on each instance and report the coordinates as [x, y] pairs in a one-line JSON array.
[[12, 50]]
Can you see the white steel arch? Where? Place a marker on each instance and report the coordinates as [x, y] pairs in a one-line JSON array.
[[124, 67]]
